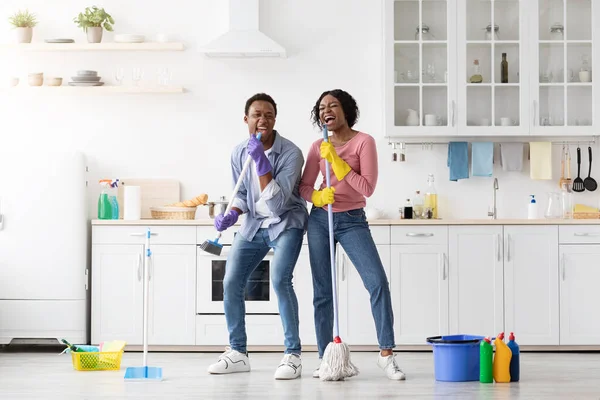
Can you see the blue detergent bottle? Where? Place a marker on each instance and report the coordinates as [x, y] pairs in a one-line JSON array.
[[514, 362]]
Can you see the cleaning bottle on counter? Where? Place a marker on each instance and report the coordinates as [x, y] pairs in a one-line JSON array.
[[532, 210], [502, 359], [104, 207], [114, 204], [431, 198], [515, 360], [486, 356]]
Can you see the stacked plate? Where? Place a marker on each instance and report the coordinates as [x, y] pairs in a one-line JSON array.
[[86, 78], [127, 38], [59, 41]]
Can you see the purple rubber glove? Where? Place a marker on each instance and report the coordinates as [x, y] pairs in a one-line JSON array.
[[256, 150], [223, 222]]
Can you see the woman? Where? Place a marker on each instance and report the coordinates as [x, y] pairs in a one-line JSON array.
[[352, 156]]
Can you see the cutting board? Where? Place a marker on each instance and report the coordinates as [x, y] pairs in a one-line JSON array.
[[154, 193]]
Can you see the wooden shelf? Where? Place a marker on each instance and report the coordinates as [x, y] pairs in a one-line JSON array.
[[59, 47], [94, 90]]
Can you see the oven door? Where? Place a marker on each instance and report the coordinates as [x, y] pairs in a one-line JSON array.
[[260, 296]]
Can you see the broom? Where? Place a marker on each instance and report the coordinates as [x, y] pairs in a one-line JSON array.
[[336, 364], [213, 246]]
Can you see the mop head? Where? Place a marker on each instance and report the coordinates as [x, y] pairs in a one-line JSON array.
[[336, 364]]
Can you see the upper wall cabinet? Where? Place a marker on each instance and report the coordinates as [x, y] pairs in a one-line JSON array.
[[490, 67]]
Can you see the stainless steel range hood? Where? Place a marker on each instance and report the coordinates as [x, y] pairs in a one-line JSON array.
[[244, 38]]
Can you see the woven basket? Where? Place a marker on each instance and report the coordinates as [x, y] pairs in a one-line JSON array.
[[586, 215], [173, 212]]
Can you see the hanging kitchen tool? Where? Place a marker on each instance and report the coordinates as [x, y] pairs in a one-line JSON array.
[[578, 182], [589, 182]]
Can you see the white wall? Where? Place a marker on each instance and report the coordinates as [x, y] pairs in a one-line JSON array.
[[188, 137]]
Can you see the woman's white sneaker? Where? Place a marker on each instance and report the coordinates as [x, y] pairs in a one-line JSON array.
[[388, 364], [289, 368], [316, 371], [229, 362]]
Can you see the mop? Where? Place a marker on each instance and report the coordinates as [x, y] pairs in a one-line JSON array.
[[145, 372], [336, 364], [213, 246]]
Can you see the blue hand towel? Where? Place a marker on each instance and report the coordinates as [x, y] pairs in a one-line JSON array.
[[482, 158], [458, 160]]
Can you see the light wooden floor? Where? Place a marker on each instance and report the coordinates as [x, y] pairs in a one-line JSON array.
[[44, 375]]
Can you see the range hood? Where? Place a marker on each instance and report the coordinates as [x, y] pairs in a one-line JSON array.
[[244, 38]]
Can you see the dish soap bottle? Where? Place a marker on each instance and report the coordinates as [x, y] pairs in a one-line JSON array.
[[104, 207], [502, 360], [515, 360], [532, 210], [486, 356], [431, 198]]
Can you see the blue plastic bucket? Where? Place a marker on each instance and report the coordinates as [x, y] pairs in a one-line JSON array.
[[456, 357]]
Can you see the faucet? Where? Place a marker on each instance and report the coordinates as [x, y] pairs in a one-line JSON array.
[[494, 213]]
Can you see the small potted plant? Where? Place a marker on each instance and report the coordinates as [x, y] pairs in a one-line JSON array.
[[23, 21], [93, 20]]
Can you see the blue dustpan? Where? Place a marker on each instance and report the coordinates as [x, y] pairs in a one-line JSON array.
[[145, 373]]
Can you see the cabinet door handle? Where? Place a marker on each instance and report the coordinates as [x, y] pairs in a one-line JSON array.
[[535, 121], [453, 111], [445, 264], [413, 234], [142, 234], [150, 265], [586, 234], [498, 240], [139, 271], [563, 267], [508, 247], [343, 267]]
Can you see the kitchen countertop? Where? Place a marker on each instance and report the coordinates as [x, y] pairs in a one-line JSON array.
[[376, 222]]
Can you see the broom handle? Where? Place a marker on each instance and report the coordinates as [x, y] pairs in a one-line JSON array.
[[146, 296], [336, 329]]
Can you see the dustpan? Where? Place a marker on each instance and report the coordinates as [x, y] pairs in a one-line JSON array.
[[145, 373]]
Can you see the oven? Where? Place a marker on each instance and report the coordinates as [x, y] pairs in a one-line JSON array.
[[260, 296]]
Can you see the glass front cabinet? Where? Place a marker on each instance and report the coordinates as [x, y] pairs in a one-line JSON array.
[[490, 67]]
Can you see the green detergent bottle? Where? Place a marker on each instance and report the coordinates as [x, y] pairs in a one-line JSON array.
[[486, 356], [104, 206]]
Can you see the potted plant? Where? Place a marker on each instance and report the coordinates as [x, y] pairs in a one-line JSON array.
[[23, 21], [93, 20]]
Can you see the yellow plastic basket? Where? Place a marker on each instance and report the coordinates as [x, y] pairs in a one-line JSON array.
[[103, 361]]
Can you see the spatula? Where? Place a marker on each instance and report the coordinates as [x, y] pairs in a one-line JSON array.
[[589, 182], [578, 182]]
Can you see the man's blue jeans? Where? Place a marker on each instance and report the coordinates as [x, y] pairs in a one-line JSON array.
[[351, 230], [242, 260]]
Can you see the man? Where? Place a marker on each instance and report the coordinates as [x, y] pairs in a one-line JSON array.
[[276, 218]]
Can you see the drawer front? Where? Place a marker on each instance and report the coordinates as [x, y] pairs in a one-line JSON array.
[[420, 235], [135, 234], [579, 234]]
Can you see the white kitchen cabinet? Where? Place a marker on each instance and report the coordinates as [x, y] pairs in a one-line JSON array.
[[531, 283], [476, 280], [172, 296], [579, 294], [546, 43], [357, 325], [117, 290], [419, 286]]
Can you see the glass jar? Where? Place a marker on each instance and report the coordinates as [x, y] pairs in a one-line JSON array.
[[557, 31], [488, 32]]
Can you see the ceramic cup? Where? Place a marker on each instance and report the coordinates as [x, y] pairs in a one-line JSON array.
[[432, 120]]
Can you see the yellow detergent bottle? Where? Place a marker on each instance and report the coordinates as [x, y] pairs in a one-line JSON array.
[[502, 360]]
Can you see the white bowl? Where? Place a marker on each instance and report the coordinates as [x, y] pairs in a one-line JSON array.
[[54, 81]]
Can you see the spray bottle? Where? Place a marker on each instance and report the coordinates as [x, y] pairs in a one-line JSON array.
[[502, 360], [486, 354], [113, 199], [515, 360], [104, 207]]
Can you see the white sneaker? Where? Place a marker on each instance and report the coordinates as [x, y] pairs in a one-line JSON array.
[[316, 371], [388, 364], [289, 368], [229, 362]]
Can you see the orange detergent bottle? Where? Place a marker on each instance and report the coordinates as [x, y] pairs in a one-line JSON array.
[[502, 360]]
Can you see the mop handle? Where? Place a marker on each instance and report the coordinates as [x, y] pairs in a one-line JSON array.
[[336, 329], [146, 295]]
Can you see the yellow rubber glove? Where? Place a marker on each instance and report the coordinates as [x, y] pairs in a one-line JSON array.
[[323, 197], [339, 166]]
